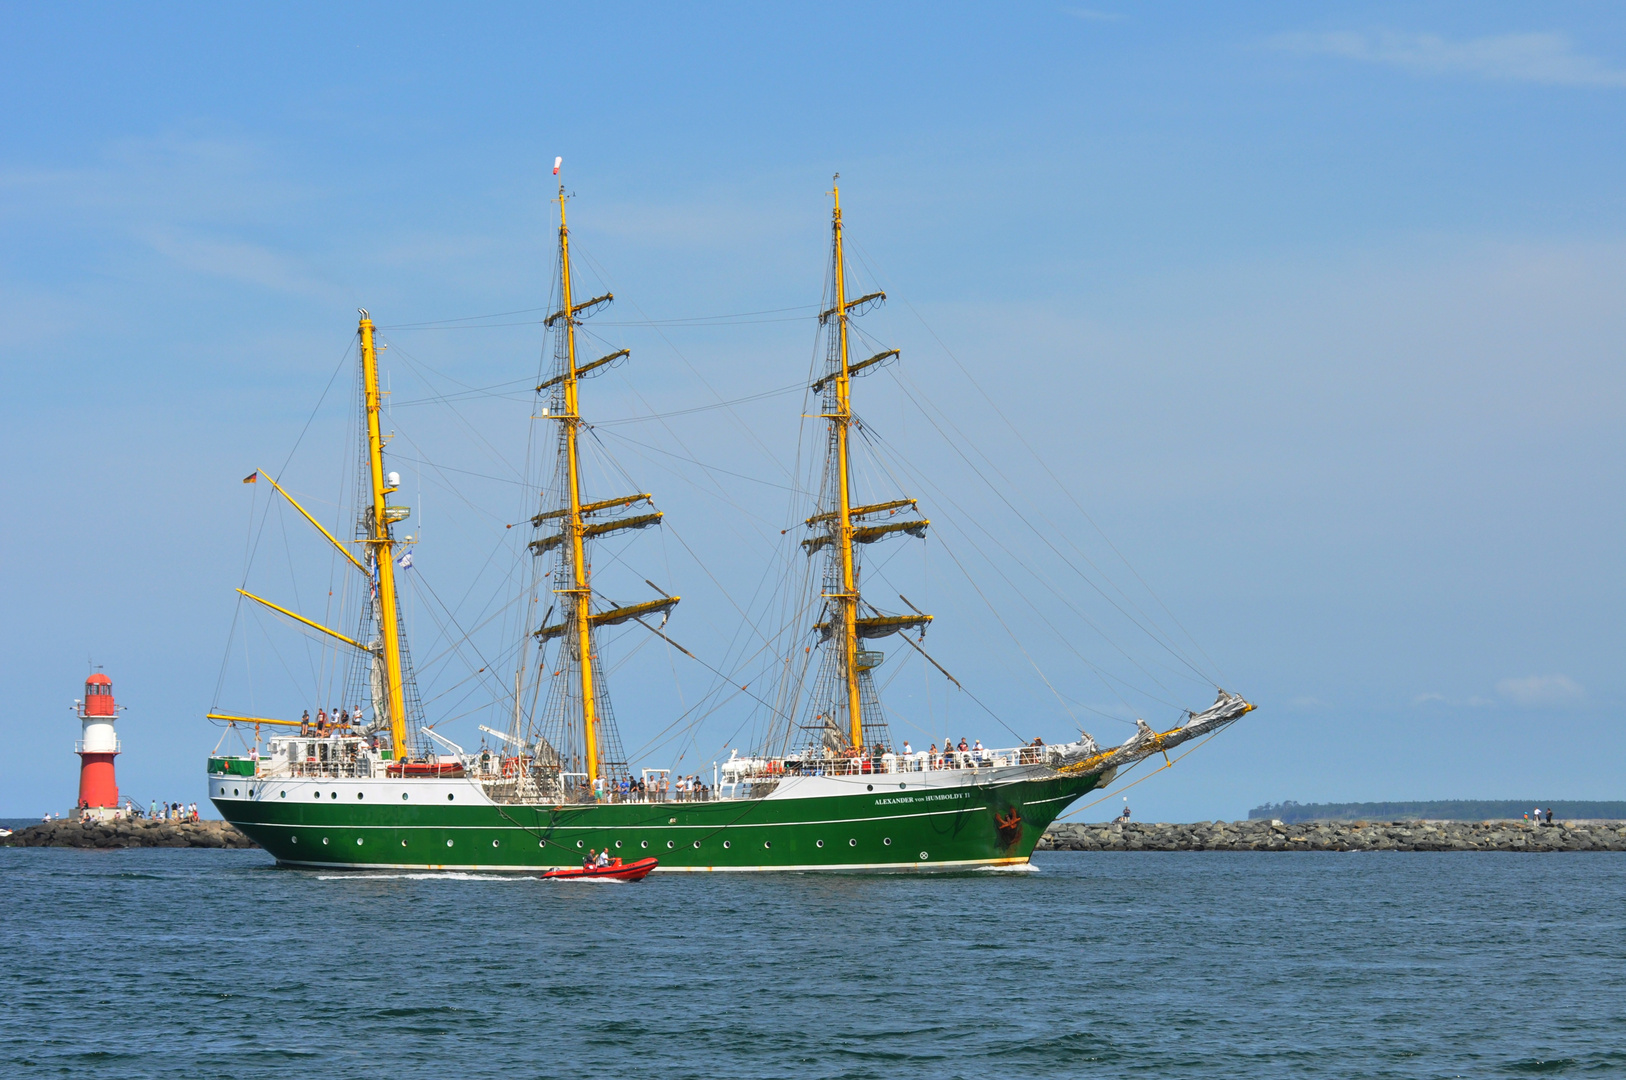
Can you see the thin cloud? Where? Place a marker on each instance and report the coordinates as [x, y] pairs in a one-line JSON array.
[[1536, 690], [1091, 15], [235, 259], [1538, 58]]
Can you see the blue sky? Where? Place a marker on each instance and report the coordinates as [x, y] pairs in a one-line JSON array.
[[1315, 311]]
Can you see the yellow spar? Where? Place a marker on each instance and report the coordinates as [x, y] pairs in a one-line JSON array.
[[581, 591], [389, 627]]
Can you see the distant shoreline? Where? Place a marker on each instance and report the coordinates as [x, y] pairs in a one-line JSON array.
[[1440, 810]]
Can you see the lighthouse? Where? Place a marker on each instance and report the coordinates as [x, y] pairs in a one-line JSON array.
[[98, 746]]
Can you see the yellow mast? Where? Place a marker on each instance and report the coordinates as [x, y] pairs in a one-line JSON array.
[[580, 588], [842, 419], [383, 548]]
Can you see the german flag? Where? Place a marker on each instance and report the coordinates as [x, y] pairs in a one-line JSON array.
[[252, 478]]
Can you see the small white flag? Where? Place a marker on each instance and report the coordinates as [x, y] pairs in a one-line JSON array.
[[406, 561], [558, 161]]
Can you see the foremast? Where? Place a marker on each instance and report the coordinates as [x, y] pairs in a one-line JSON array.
[[382, 548], [574, 519], [841, 423], [844, 524]]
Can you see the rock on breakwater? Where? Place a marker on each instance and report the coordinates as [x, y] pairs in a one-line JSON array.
[[129, 834], [1338, 836]]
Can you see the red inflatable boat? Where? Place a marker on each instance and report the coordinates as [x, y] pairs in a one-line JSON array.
[[616, 871]]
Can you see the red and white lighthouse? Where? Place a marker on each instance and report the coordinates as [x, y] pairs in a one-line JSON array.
[[98, 746]]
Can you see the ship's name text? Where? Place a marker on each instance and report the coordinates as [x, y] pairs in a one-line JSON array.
[[920, 798]]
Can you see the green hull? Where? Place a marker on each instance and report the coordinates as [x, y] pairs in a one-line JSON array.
[[977, 824]]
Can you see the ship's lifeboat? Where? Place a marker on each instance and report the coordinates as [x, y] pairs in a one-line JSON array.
[[414, 769], [616, 871]]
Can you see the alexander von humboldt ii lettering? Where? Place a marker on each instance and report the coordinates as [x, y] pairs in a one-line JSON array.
[[376, 786]]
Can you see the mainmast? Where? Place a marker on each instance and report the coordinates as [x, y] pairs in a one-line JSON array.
[[382, 545], [574, 519], [581, 592]]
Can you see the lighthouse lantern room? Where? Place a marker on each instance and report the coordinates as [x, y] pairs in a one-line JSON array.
[[98, 746]]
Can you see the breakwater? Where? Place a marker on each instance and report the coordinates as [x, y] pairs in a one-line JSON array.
[[129, 834], [1338, 836], [1067, 836]]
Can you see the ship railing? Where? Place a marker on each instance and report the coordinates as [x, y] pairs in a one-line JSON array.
[[888, 763], [330, 770], [581, 793]]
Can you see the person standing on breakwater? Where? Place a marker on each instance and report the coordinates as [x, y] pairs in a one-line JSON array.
[[1549, 815]]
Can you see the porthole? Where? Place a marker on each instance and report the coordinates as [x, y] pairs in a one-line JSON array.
[[767, 844], [852, 843], [869, 787], [726, 844], [282, 794], [318, 794], [359, 795], [450, 796], [448, 843], [358, 841], [670, 845], [222, 792], [618, 843], [902, 786], [697, 843], [403, 843], [578, 843], [494, 843], [924, 856], [821, 843], [233, 791], [324, 841], [644, 844], [335, 795], [403, 796], [887, 841], [294, 839], [541, 843]]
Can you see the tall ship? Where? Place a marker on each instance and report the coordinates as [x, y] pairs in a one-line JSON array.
[[375, 785]]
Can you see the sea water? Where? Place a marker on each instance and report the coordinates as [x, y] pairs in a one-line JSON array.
[[198, 963]]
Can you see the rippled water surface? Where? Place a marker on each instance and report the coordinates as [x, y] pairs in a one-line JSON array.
[[180, 963]]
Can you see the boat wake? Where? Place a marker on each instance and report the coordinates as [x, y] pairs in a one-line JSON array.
[[447, 875]]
